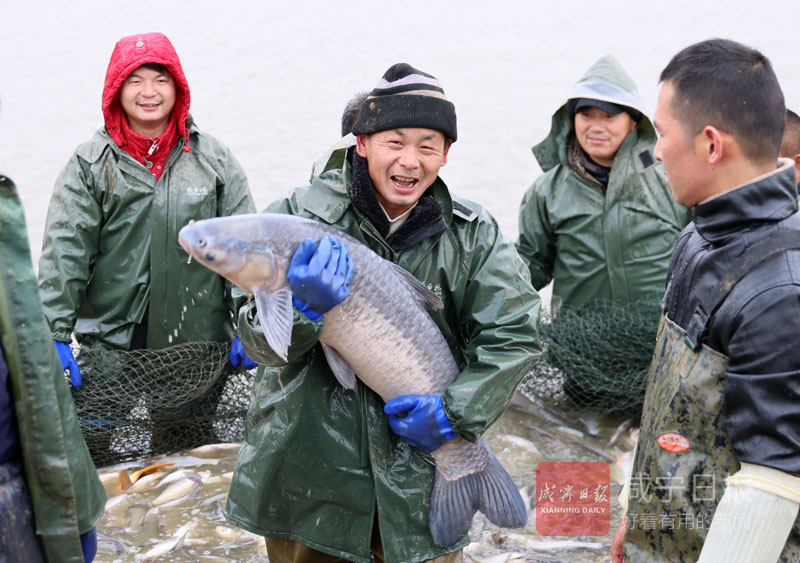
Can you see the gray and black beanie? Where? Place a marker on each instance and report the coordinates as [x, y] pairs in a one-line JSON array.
[[406, 97]]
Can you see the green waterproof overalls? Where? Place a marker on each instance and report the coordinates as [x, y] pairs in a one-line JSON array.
[[684, 451]]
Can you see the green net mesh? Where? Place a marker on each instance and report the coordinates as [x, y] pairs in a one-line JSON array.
[[596, 357], [141, 403]]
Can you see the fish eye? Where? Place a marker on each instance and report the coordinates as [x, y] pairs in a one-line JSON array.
[[210, 256]]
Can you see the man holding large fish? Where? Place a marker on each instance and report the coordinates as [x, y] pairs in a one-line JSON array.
[[337, 468]]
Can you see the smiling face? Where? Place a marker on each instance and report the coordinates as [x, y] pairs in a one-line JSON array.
[[403, 163], [601, 134], [148, 96]]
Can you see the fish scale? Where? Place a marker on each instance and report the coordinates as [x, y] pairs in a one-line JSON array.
[[383, 333], [418, 348]]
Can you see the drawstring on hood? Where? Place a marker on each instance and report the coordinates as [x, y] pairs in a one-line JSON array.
[[129, 54]]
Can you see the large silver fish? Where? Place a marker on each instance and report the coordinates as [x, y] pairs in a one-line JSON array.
[[381, 333]]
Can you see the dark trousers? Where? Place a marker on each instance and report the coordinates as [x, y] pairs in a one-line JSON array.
[[280, 550], [18, 540]]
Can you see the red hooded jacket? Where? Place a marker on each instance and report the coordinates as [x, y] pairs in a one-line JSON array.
[[129, 54]]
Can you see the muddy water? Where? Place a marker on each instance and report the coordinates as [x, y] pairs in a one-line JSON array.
[[176, 513]]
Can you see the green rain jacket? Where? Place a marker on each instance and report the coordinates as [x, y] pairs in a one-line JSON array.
[[68, 498], [111, 244], [615, 246], [318, 459]]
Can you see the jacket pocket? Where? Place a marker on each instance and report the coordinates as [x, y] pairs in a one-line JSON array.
[[645, 234], [273, 389]]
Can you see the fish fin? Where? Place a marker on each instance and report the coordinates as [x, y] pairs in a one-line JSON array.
[[421, 293], [136, 475], [500, 499], [340, 368], [124, 480], [276, 316], [491, 490]]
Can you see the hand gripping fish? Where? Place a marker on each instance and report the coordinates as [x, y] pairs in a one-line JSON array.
[[381, 334]]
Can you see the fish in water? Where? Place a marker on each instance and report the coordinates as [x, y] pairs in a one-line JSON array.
[[555, 545], [177, 490], [254, 251], [169, 545]]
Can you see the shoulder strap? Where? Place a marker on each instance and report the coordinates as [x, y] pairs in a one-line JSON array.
[[713, 297]]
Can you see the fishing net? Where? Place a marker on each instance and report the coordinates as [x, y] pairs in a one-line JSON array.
[[596, 357], [142, 403]]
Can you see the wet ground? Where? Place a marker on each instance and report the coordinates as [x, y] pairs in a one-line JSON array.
[[176, 512]]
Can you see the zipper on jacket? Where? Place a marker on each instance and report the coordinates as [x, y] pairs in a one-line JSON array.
[[173, 155]]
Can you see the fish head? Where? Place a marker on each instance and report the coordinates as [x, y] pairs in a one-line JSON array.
[[237, 247], [216, 246]]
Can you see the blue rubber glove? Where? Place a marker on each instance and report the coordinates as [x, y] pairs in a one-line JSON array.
[[89, 545], [68, 362], [238, 356], [319, 276], [425, 424]]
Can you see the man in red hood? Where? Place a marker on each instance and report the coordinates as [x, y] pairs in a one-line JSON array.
[[144, 86], [111, 269]]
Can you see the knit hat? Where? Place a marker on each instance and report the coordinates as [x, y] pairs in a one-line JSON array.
[[611, 108], [406, 97]]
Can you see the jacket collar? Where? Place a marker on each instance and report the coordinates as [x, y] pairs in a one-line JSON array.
[[102, 133], [424, 221], [329, 199], [580, 162], [767, 199]]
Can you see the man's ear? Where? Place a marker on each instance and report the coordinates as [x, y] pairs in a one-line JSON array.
[[361, 145], [713, 140], [447, 144], [796, 159]]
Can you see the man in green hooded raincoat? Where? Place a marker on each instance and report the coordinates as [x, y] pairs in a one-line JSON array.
[[111, 269], [600, 222], [320, 474], [50, 495]]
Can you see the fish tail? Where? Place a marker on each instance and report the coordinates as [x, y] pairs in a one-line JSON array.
[[454, 502]]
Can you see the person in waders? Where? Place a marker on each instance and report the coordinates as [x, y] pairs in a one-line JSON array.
[[716, 472]]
